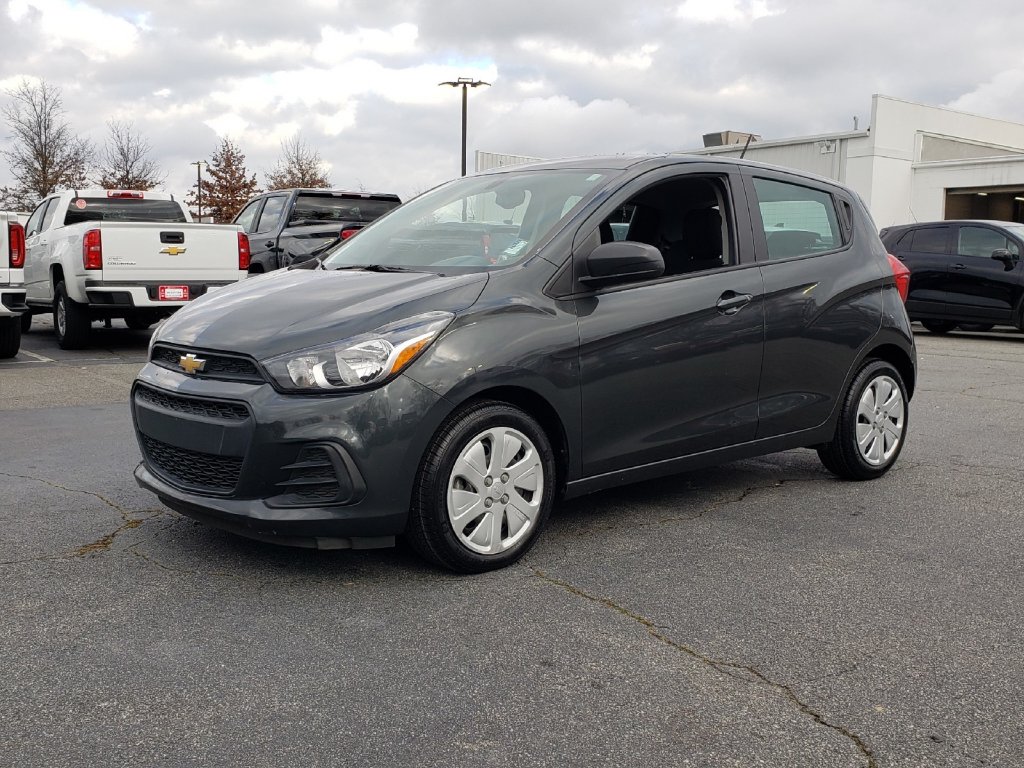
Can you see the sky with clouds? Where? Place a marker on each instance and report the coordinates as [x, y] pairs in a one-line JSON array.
[[358, 80]]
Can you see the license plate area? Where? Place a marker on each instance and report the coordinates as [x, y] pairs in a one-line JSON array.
[[173, 293]]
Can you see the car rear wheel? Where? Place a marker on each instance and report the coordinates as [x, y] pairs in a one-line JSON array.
[[938, 326], [484, 490], [872, 426], [10, 336], [70, 320]]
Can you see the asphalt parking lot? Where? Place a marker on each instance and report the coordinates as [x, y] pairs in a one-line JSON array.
[[758, 614]]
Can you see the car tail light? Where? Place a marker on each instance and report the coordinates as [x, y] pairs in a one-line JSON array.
[[92, 250], [243, 251], [349, 232], [902, 275], [16, 245], [120, 193]]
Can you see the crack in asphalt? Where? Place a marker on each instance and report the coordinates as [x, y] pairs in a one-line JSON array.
[[725, 667], [129, 519]]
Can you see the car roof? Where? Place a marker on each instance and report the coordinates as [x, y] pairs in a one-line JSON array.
[[640, 162]]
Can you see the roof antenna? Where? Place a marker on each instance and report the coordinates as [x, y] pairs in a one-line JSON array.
[[750, 137]]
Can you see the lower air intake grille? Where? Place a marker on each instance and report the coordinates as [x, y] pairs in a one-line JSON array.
[[201, 470], [313, 479]]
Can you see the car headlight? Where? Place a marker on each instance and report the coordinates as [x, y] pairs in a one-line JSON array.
[[360, 361]]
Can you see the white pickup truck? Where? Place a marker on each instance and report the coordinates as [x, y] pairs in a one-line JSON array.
[[12, 278], [98, 254]]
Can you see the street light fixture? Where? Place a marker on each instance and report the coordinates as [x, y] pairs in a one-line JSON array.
[[466, 83], [199, 185]]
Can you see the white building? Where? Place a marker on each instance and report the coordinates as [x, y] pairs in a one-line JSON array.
[[913, 162]]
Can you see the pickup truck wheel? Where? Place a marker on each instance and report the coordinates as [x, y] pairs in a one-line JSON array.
[[872, 426], [138, 323], [484, 489], [10, 337], [26, 322], [70, 320]]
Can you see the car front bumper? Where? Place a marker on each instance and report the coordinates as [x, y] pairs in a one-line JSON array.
[[327, 472]]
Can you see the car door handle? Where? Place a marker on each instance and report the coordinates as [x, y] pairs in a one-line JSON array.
[[959, 266], [269, 244], [730, 302]]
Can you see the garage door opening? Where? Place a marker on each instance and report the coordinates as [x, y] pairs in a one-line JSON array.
[[996, 203]]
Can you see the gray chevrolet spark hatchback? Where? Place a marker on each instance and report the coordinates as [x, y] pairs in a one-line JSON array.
[[512, 338]]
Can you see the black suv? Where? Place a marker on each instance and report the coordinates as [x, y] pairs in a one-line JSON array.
[[964, 273], [490, 347]]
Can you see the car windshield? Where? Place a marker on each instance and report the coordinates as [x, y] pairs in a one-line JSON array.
[[1016, 229], [471, 224]]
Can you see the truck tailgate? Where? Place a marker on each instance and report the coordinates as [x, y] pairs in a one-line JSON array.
[[154, 252]]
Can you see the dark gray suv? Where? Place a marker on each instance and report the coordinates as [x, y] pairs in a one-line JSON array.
[[490, 347]]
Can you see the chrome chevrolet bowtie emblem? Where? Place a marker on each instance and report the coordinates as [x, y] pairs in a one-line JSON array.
[[191, 364], [173, 250]]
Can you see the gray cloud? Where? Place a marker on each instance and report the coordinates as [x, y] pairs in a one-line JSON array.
[[570, 78]]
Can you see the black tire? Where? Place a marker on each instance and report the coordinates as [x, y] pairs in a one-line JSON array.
[[138, 323], [938, 326], [10, 337], [26, 322], [73, 333], [842, 456], [977, 327], [430, 531]]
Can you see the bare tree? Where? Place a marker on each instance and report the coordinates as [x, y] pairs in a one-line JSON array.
[[299, 166], [124, 160], [45, 154], [229, 185]]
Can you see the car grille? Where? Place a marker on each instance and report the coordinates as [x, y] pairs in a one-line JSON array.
[[312, 479], [202, 470], [217, 409], [218, 365]]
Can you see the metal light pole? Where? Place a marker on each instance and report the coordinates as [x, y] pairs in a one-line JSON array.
[[466, 83], [199, 185]]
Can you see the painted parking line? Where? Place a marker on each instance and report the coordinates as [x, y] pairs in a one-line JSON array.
[[38, 358]]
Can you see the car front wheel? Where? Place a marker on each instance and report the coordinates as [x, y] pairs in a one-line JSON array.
[[872, 426], [484, 489]]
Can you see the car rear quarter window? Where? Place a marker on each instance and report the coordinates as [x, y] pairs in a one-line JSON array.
[[929, 240], [980, 242], [797, 220]]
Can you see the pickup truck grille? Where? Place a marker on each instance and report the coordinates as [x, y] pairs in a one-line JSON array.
[[218, 364], [195, 406], [201, 470]]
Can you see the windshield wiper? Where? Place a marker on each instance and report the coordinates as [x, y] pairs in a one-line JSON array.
[[376, 268]]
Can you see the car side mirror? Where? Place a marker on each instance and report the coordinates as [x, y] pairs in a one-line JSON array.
[[624, 261], [1002, 254]]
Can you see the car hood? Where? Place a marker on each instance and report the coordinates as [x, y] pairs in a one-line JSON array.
[[289, 310]]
